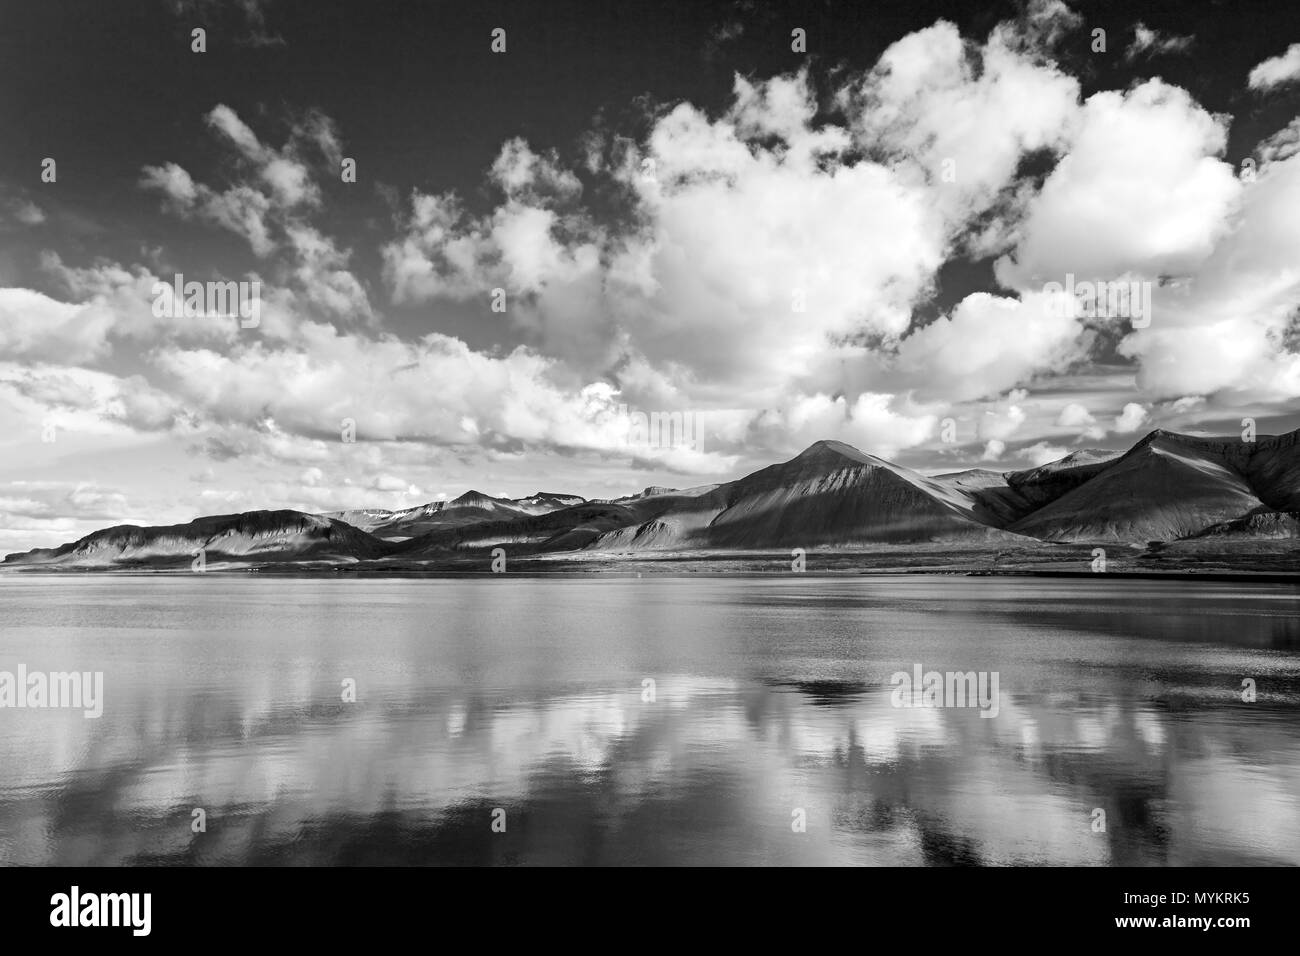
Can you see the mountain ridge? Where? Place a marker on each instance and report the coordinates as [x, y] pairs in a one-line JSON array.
[[1167, 487]]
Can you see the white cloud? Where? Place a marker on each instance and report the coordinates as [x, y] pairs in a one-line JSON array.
[[933, 99], [1041, 453], [1277, 71], [1131, 418], [1225, 330], [1001, 425], [987, 345], [1141, 191], [1075, 415], [37, 327], [993, 450], [870, 423]]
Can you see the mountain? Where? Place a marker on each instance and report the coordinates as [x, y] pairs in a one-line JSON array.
[[568, 529], [830, 495], [471, 508], [1165, 487], [252, 537], [1168, 488]]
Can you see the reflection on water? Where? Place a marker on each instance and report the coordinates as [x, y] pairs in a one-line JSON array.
[[771, 695]]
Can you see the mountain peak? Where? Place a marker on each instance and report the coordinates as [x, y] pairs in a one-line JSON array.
[[828, 447], [472, 495]]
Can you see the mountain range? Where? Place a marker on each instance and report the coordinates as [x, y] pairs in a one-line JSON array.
[[1168, 491]]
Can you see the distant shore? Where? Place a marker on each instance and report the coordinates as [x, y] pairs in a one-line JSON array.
[[1276, 564]]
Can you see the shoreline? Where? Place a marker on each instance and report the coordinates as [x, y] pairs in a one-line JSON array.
[[674, 569]]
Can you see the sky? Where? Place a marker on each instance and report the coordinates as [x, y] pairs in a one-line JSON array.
[[779, 223]]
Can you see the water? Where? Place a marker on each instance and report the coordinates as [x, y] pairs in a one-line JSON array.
[[771, 697]]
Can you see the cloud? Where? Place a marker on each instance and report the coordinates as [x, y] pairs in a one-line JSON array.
[[987, 345], [1277, 71], [252, 12], [763, 227], [1075, 415], [240, 209], [728, 31], [870, 423], [1226, 329], [1041, 26], [1082, 422], [36, 327], [1283, 144], [85, 402], [749, 229], [22, 211], [993, 450], [282, 187], [1152, 42], [1131, 418], [1042, 453], [1002, 424], [271, 210], [933, 100], [1141, 191]]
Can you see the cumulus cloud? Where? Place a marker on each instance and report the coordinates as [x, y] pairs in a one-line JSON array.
[[1002, 423], [751, 229], [993, 450], [870, 423], [933, 99], [988, 344], [1075, 415], [1042, 453], [1226, 328], [1131, 418], [1277, 70], [1141, 191]]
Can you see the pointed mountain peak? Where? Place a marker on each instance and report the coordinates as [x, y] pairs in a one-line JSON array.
[[828, 450], [472, 496]]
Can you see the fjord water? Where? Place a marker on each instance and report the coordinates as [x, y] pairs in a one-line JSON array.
[[772, 695]]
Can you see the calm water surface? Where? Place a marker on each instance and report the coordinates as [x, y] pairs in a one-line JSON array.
[[771, 695]]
